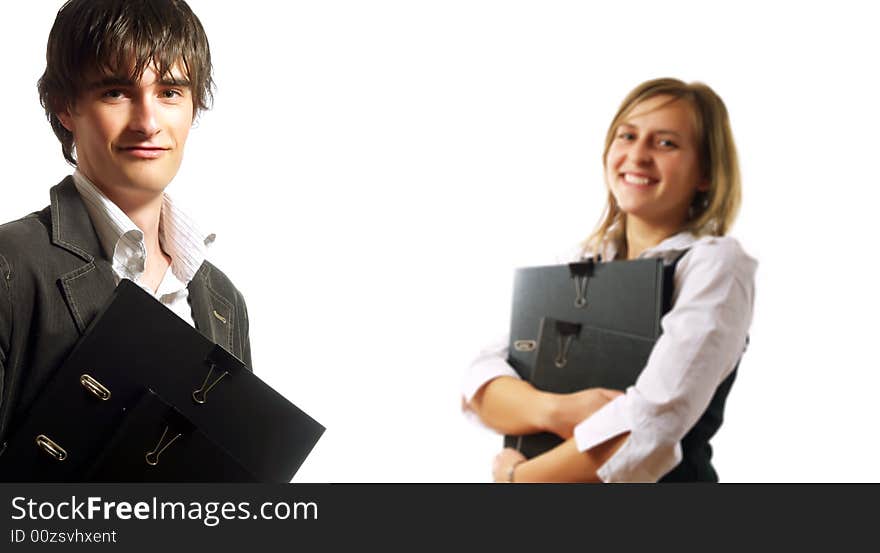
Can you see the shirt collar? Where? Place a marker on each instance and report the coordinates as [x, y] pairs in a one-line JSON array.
[[123, 241], [667, 250]]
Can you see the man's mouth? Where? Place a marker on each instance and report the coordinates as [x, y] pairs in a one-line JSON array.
[[145, 152]]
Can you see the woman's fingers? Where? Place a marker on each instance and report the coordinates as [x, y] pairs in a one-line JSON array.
[[609, 393]]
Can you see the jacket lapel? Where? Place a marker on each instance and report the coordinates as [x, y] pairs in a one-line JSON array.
[[213, 313], [88, 287]]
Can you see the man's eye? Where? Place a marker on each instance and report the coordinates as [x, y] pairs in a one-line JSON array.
[[113, 94], [172, 93]]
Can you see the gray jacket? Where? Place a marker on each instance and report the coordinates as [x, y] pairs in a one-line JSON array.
[[54, 279]]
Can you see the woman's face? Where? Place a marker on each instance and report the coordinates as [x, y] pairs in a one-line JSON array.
[[652, 167]]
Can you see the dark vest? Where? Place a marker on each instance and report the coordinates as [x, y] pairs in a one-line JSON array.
[[696, 462]]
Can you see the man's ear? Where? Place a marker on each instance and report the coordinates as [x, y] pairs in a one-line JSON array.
[[65, 118]]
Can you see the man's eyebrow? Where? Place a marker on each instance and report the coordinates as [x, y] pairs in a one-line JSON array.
[[175, 81], [112, 80]]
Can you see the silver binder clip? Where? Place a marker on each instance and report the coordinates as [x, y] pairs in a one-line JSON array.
[[94, 387], [563, 343], [565, 333], [49, 446], [580, 290], [199, 395], [152, 457], [525, 345], [580, 274]]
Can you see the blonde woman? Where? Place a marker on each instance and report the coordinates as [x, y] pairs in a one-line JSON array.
[[673, 184]]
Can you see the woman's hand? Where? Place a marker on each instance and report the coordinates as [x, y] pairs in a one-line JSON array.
[[504, 462], [513, 406], [569, 410]]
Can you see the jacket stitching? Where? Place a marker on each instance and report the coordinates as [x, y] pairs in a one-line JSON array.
[[222, 299], [66, 280], [230, 318], [55, 206], [6, 279]]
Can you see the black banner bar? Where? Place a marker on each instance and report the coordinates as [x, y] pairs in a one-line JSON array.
[[256, 517]]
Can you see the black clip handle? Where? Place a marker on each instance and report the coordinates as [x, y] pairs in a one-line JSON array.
[[581, 272], [584, 268], [565, 328]]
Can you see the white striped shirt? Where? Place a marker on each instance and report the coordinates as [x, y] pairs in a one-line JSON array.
[[123, 244]]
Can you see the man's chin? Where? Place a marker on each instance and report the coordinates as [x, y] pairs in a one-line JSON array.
[[148, 181]]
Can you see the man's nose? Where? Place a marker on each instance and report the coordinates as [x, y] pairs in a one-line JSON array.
[[144, 116]]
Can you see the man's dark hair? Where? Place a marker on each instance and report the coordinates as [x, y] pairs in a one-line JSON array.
[[121, 38]]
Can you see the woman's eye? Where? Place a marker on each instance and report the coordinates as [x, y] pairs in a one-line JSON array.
[[666, 143], [624, 135]]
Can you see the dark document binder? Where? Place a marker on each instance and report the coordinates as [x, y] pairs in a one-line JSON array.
[[141, 371], [583, 325], [178, 450]]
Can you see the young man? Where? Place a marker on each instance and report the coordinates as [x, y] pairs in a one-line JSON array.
[[124, 80]]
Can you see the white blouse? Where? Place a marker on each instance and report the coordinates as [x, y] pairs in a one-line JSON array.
[[704, 335]]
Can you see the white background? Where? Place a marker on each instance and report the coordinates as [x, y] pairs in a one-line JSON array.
[[375, 171]]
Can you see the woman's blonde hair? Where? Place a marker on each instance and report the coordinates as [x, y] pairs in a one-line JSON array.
[[712, 212]]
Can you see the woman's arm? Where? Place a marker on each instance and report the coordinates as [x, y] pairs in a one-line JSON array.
[[703, 337], [563, 463], [513, 406], [493, 392]]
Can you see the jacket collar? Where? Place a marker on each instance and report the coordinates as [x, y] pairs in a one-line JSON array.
[[71, 225], [87, 288], [123, 242]]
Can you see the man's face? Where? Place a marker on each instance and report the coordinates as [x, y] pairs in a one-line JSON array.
[[129, 136]]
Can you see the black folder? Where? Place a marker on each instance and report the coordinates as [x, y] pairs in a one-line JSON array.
[[571, 357], [140, 367], [157, 443], [606, 316]]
